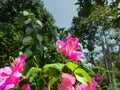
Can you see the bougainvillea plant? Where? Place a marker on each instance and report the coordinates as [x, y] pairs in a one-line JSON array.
[[74, 78], [69, 48], [10, 75]]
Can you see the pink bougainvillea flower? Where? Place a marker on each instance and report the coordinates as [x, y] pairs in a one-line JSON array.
[[82, 87], [10, 75], [93, 84], [60, 45], [67, 82], [86, 86], [45, 88], [26, 87], [98, 78], [69, 48], [20, 63]]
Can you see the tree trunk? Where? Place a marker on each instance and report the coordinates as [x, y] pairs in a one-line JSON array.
[[108, 65]]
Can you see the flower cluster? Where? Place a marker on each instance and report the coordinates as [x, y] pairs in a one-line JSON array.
[[10, 75], [26, 87], [69, 48], [68, 80], [98, 78], [86, 86]]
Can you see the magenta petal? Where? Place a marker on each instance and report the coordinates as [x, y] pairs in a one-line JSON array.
[[76, 55], [93, 84], [9, 86], [67, 82], [60, 45], [69, 36], [26, 87], [4, 74], [69, 48], [63, 86], [98, 78], [67, 77], [83, 87], [10, 75], [20, 62], [45, 88], [87, 86]]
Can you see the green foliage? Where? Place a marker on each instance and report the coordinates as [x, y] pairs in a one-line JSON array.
[[51, 82], [80, 79], [71, 66], [10, 40], [32, 71], [28, 27], [57, 66], [49, 76], [82, 75], [96, 23]]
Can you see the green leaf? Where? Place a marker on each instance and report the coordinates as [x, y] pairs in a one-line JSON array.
[[32, 78], [27, 40], [28, 53], [25, 13], [39, 37], [28, 30], [33, 70], [27, 21], [57, 66], [80, 72], [71, 66], [39, 22], [80, 79], [51, 82]]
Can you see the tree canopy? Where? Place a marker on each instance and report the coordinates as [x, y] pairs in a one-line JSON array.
[[97, 25], [27, 27]]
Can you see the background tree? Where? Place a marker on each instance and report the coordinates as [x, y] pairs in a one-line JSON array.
[[96, 23], [27, 27], [26, 24]]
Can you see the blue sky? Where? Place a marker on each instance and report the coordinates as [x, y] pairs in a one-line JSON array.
[[62, 10]]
